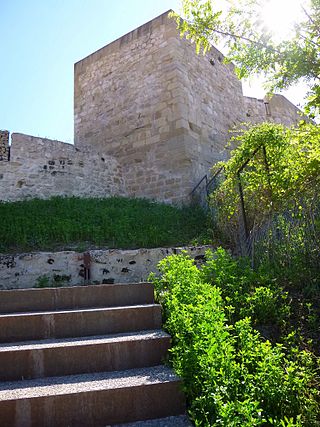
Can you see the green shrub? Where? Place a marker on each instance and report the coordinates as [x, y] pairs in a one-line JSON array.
[[246, 292], [279, 171], [285, 167], [232, 375]]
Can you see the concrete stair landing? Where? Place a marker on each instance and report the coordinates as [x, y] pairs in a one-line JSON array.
[[85, 356]]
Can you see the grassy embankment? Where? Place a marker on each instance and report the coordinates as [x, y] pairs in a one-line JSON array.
[[79, 224]]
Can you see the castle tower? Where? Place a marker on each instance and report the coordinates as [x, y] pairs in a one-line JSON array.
[[161, 110]]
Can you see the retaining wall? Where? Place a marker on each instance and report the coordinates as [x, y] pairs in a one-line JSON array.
[[69, 268]]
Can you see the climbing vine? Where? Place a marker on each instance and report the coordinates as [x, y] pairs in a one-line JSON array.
[[279, 169]]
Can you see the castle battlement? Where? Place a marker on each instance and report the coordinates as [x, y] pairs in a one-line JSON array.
[[41, 167]]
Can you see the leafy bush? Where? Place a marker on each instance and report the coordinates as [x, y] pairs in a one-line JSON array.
[[289, 247], [281, 174], [246, 292], [233, 375], [281, 184]]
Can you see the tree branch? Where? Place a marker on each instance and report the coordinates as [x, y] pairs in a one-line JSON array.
[[309, 40], [237, 36], [309, 17]]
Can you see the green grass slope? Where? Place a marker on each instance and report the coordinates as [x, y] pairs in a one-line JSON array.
[[116, 222]]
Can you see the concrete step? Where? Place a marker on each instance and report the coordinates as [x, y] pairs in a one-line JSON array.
[[92, 399], [49, 299], [76, 323], [178, 421], [58, 357]]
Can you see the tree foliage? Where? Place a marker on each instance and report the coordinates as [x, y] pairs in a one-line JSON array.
[[282, 175], [285, 169], [253, 49], [280, 187]]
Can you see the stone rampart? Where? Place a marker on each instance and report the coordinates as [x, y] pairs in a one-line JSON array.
[[256, 110], [281, 110], [128, 99], [43, 168]]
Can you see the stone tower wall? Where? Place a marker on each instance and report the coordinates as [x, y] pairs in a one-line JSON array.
[[128, 99], [212, 105], [164, 112]]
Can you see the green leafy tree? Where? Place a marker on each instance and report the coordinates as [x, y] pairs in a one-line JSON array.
[[280, 190], [284, 170], [253, 49]]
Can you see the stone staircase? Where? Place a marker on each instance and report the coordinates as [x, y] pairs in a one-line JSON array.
[[85, 356]]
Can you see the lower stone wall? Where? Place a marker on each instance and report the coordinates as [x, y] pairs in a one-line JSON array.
[[69, 268], [43, 168]]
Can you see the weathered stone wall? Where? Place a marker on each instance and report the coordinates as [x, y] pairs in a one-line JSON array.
[[161, 110], [40, 167], [256, 110], [128, 99], [68, 268], [276, 109], [282, 111]]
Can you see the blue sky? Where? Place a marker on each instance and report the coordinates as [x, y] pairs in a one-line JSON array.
[[40, 40]]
